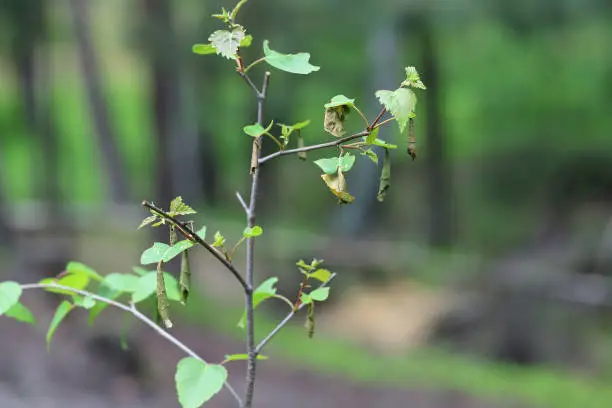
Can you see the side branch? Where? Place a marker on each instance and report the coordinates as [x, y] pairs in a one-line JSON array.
[[188, 233], [136, 313], [333, 143], [286, 320]]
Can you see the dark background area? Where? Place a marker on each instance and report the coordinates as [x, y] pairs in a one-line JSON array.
[[484, 279]]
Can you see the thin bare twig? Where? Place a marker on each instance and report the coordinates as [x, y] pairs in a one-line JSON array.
[[242, 202], [373, 124], [286, 320], [130, 309], [250, 251], [188, 233], [333, 143]]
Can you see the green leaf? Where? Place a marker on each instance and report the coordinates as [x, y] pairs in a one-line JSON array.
[[321, 274], [107, 292], [293, 63], [382, 143], [77, 268], [154, 254], [330, 165], [319, 294], [246, 41], [163, 252], [346, 162], [20, 313], [147, 221], [400, 103], [287, 130], [243, 356], [226, 43], [413, 79], [147, 285], [197, 382], [340, 100], [121, 282], [305, 298], [139, 270], [178, 207], [256, 130], [224, 16], [202, 233], [10, 292], [204, 49], [86, 302], [372, 136], [264, 291], [370, 155], [219, 240], [252, 232], [72, 281], [60, 313]]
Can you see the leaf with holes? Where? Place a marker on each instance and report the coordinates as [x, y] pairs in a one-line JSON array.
[[400, 103], [226, 42]]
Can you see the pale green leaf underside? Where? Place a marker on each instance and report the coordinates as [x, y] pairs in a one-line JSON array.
[[226, 43], [293, 63], [400, 103], [340, 100]]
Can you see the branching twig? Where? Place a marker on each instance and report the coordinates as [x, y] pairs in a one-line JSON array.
[[131, 308], [188, 233], [286, 320], [333, 143], [373, 124], [242, 202]]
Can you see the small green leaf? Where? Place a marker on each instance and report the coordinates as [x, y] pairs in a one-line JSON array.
[[264, 291], [322, 275], [204, 49], [372, 136], [305, 298], [382, 143], [197, 382], [256, 130], [20, 313], [238, 357], [77, 268], [122, 282], [346, 162], [370, 155], [86, 302], [226, 43], [107, 292], [252, 232], [246, 41], [178, 207], [400, 103], [329, 165], [154, 254], [219, 240], [413, 79], [10, 292], [72, 281], [202, 233], [293, 63], [147, 286], [177, 249], [320, 294], [340, 100], [60, 313]]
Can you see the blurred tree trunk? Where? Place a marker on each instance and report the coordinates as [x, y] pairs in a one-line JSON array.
[[107, 138], [439, 174]]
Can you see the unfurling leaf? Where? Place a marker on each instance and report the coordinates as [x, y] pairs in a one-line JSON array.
[[10, 292], [252, 232], [385, 177], [163, 305], [310, 320], [287, 130], [178, 207], [400, 103], [20, 313], [219, 240], [236, 9], [293, 63], [413, 79], [226, 42], [197, 382], [337, 185], [202, 233], [60, 313], [333, 121], [264, 291], [185, 277]]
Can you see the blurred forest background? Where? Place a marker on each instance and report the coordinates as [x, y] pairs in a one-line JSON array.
[[484, 279]]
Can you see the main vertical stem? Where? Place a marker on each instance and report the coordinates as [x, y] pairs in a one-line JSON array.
[[250, 253]]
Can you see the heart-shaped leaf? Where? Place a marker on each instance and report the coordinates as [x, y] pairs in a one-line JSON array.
[[197, 382]]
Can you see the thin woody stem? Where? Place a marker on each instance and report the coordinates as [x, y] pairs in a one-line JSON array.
[[188, 233]]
